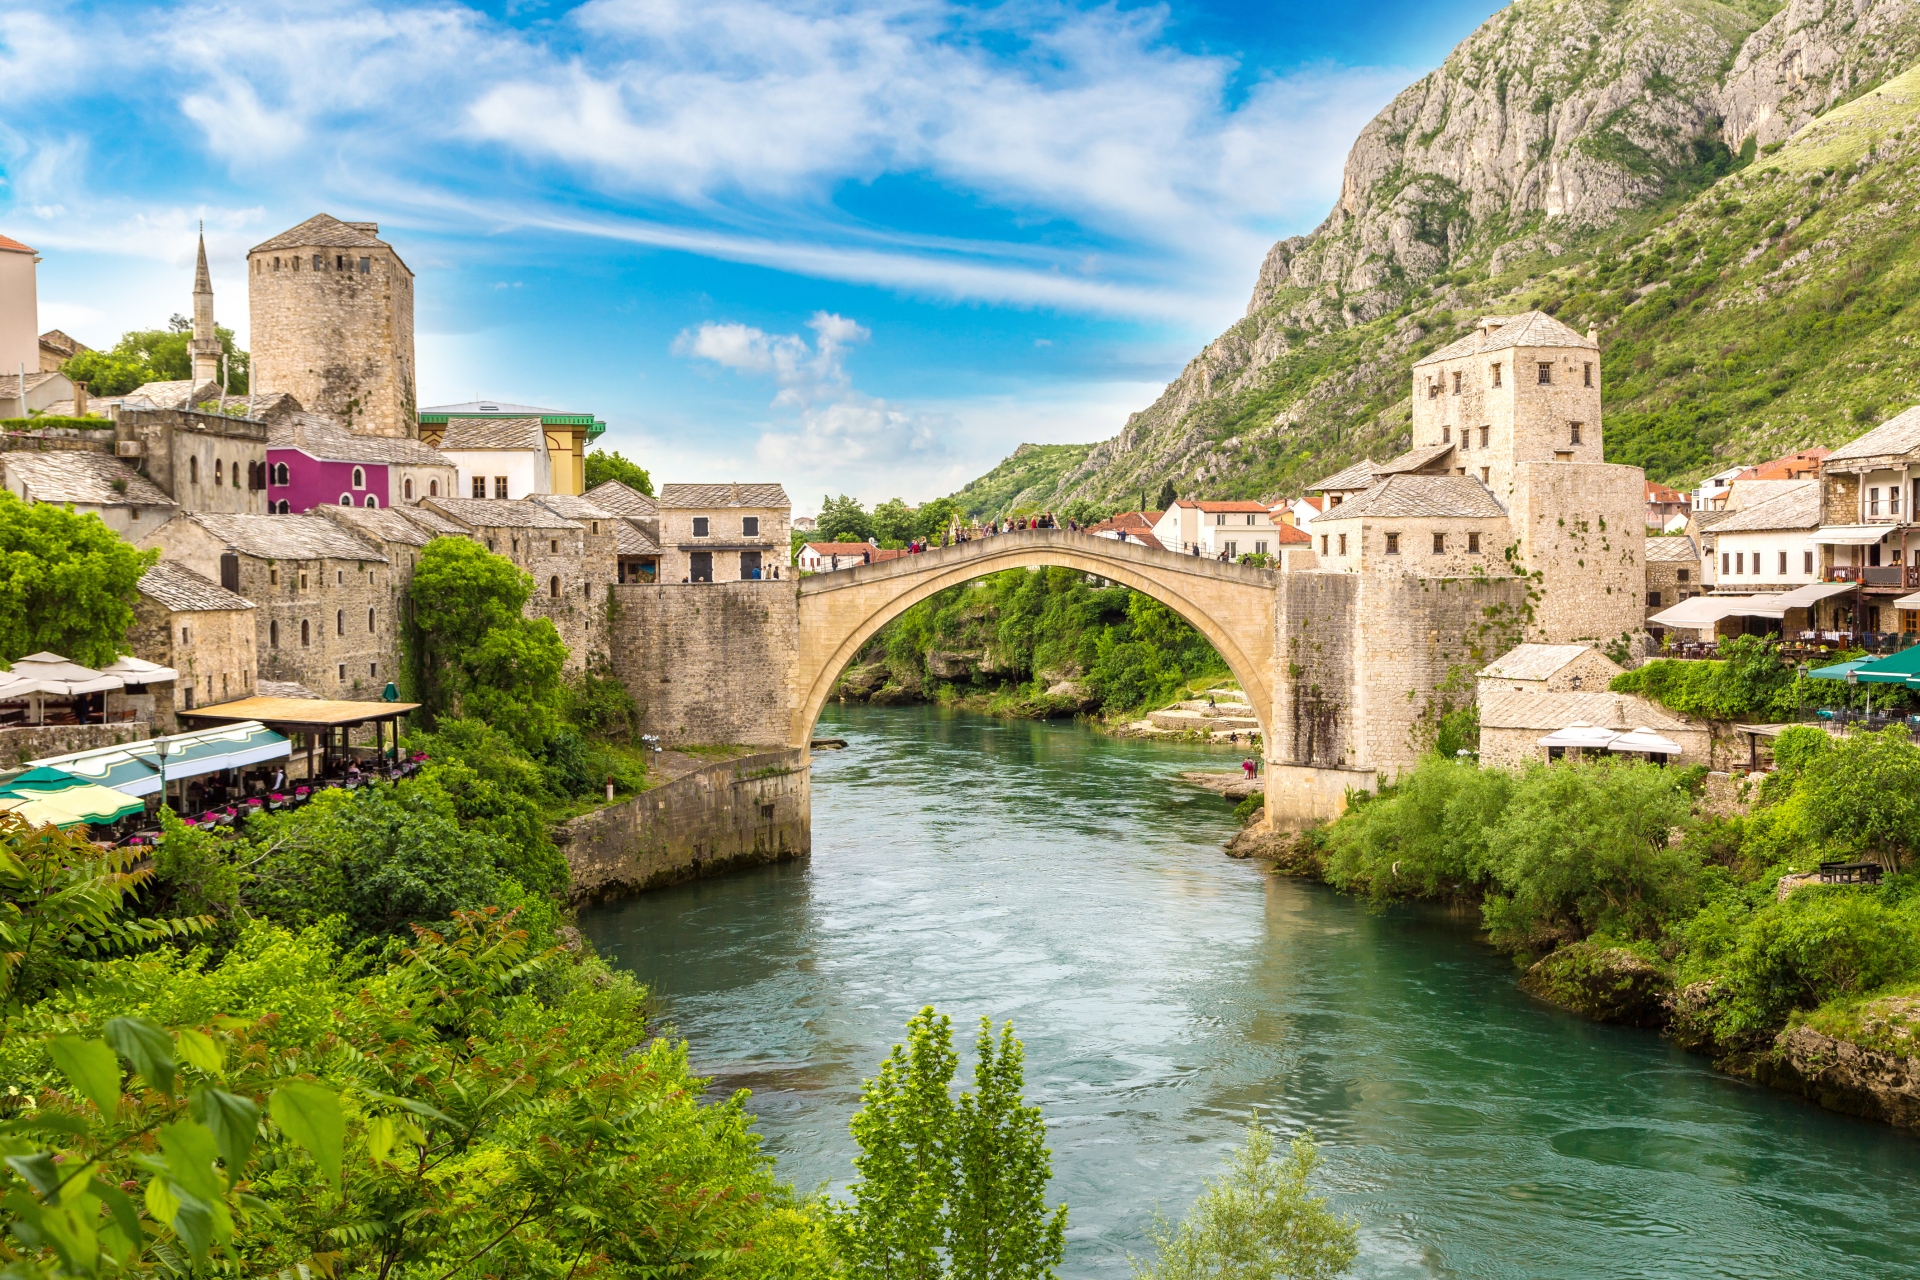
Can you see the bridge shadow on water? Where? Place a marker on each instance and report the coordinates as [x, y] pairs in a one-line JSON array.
[[1063, 879]]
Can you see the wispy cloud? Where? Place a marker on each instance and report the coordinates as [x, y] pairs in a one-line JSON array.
[[830, 429]]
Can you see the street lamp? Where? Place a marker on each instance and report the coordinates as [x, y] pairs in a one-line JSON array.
[[1803, 671], [161, 746]]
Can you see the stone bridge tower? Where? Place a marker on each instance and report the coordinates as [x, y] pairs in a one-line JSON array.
[[332, 313]]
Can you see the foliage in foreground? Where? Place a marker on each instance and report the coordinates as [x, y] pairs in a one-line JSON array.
[[472, 1102], [949, 1187], [1259, 1222], [1611, 855], [1749, 682]]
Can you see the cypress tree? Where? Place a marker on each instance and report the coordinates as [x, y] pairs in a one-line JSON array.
[[1167, 495], [1001, 1229]]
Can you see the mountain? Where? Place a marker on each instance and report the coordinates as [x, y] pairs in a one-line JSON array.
[[1723, 189]]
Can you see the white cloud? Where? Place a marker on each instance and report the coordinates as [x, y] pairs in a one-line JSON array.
[[832, 433]]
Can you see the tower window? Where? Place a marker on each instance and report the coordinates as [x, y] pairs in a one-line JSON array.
[[339, 622], [1433, 389], [406, 487], [1343, 544], [749, 526], [1456, 382], [1323, 544], [1446, 435], [366, 265], [193, 471], [369, 619], [273, 635], [1573, 433], [305, 635], [553, 586], [1496, 375], [339, 262], [1393, 544], [433, 488], [1589, 374], [1546, 373], [553, 546], [1485, 433]]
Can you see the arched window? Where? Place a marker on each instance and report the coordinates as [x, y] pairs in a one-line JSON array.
[[280, 473], [346, 499], [553, 586], [359, 478], [433, 488], [193, 471], [369, 619], [339, 622], [371, 501], [406, 488], [219, 472], [305, 635], [286, 508], [273, 635]]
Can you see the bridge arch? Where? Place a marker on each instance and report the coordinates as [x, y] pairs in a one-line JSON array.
[[1232, 605]]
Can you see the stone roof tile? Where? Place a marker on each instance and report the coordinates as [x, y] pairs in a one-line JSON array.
[[1357, 476], [1533, 661], [383, 523], [184, 591], [573, 506], [499, 513], [319, 436], [1670, 549], [1413, 460], [1897, 435], [1547, 712], [698, 496], [323, 230], [1413, 495], [82, 478], [1497, 333], [1798, 508], [493, 433], [629, 539], [624, 500], [286, 537]]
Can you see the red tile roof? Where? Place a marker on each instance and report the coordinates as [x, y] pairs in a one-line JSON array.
[[1788, 466], [1223, 506], [1293, 533], [13, 246]]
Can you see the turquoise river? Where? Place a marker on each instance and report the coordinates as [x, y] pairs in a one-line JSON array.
[[1065, 880]]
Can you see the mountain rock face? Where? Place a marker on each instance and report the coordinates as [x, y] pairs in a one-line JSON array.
[[1547, 139]]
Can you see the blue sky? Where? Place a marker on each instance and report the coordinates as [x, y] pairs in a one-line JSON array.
[[852, 247]]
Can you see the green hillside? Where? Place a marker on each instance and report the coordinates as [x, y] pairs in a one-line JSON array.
[[1028, 477]]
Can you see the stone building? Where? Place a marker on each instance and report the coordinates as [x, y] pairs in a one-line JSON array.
[[1512, 724], [19, 308], [199, 629], [722, 532], [1768, 546], [314, 461], [1868, 487], [563, 436], [499, 459], [203, 461], [1549, 668], [326, 615], [571, 563], [1673, 572], [400, 534], [332, 324], [92, 483], [637, 540]]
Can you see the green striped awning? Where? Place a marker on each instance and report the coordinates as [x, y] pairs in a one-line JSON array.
[[134, 768]]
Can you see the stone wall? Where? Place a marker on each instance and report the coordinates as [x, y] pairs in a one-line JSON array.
[[743, 812], [724, 540], [1582, 528], [1313, 684], [339, 340], [185, 452], [29, 742], [708, 662], [212, 649], [1664, 580]]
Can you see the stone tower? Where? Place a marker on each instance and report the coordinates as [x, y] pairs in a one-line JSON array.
[[332, 312], [205, 346]]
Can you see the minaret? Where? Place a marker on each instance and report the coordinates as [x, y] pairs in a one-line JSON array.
[[206, 342]]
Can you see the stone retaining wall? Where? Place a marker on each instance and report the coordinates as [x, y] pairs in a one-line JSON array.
[[33, 742], [743, 812]]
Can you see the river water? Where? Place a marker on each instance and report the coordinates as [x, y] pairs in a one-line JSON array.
[[1165, 993]]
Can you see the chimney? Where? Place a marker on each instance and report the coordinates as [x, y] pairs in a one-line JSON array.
[[1593, 334], [79, 399]]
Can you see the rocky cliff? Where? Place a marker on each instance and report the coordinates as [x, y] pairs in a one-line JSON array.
[[1557, 158]]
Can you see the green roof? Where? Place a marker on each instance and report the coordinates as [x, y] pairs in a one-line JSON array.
[[595, 427]]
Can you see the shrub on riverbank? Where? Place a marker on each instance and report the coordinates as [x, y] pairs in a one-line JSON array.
[[1600, 877]]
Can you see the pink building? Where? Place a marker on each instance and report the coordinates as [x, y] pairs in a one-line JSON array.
[[312, 461]]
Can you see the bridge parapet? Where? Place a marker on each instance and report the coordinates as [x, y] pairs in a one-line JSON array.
[[1039, 542]]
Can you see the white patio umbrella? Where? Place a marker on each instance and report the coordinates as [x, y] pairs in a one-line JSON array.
[[1646, 740], [134, 670], [1581, 734], [40, 676]]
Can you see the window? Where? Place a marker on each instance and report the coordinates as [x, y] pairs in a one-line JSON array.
[[586, 590], [1259, 548], [273, 577], [1446, 435], [1456, 382], [366, 265], [596, 527], [369, 620], [479, 486], [359, 477], [1546, 373], [286, 507], [433, 488], [1806, 565], [316, 262], [1486, 473], [749, 527], [339, 622], [276, 264], [1873, 502], [1250, 519], [699, 526], [343, 673], [1893, 500], [219, 472], [1496, 375], [1343, 544], [339, 577], [280, 473], [370, 501], [373, 671], [1393, 544], [1653, 599], [1589, 375], [1783, 564], [303, 579], [749, 566], [273, 635], [369, 577], [1473, 544], [1685, 575], [553, 546], [1233, 550], [1439, 543], [305, 634], [339, 262], [1323, 544], [1573, 433], [186, 636], [499, 486], [1219, 519], [1739, 562], [1725, 560], [553, 586], [406, 487], [189, 693], [1433, 389], [700, 566], [346, 499], [1563, 455], [1485, 434], [193, 471]]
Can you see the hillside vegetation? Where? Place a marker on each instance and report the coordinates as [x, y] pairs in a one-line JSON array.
[[1723, 191]]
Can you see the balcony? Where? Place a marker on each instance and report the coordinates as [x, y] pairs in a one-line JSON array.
[[1880, 575]]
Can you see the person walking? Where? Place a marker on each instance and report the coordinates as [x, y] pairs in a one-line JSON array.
[[1249, 768]]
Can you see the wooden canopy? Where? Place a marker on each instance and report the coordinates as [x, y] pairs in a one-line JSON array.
[[300, 713]]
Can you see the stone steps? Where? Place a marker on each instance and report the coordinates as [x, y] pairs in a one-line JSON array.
[[1195, 721]]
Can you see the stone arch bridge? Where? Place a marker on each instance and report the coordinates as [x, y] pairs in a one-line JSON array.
[[1340, 668]]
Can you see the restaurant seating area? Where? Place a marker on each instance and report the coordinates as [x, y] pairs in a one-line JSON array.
[[254, 794]]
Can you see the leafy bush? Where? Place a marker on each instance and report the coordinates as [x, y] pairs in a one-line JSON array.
[[1820, 944], [1425, 837]]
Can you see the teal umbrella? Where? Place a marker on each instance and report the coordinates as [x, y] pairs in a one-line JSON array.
[[1839, 670], [1895, 668]]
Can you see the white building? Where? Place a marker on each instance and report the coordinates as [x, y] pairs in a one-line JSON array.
[[1769, 546], [1212, 528], [1712, 491], [19, 312], [498, 457]]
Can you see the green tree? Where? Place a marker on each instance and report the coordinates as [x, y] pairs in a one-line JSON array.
[[1862, 795], [893, 523], [932, 519], [472, 650], [895, 1228], [843, 519], [1000, 1227], [1167, 496], [1260, 1222], [604, 465], [67, 583], [153, 355]]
